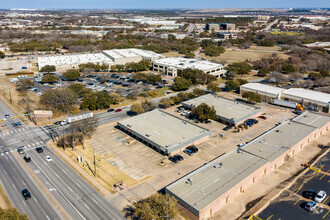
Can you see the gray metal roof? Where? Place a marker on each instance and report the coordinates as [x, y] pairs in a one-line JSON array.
[[165, 130], [201, 187], [227, 109]]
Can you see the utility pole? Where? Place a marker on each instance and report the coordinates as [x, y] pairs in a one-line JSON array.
[[94, 162], [11, 101]]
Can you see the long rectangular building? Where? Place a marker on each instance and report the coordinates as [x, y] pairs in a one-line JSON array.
[[174, 65], [309, 99], [228, 111], [204, 191], [164, 132]]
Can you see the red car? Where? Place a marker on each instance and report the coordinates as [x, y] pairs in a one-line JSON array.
[[262, 117], [118, 110]]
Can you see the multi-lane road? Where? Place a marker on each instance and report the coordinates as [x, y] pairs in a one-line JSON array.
[[58, 192]]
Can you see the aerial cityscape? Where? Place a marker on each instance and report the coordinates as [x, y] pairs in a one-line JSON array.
[[172, 110]]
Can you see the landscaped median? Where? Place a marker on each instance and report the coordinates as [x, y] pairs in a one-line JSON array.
[[106, 177]]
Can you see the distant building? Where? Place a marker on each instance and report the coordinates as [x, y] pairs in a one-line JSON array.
[[219, 26], [263, 17], [164, 132], [107, 57], [309, 99], [207, 189], [228, 111], [174, 65], [227, 35]]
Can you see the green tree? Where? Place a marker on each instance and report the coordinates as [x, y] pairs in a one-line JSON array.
[[242, 81], [214, 51], [241, 68], [263, 72], [59, 99], [252, 96], [197, 76], [71, 75], [153, 78], [49, 79], [198, 92], [2, 54], [213, 87], [96, 100], [176, 99], [137, 108], [12, 213], [155, 207], [48, 69], [79, 89], [288, 68], [231, 85], [166, 102], [181, 84], [23, 85], [315, 76], [204, 112]]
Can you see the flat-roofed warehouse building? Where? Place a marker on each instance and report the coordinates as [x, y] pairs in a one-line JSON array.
[[313, 100], [174, 65], [266, 92], [164, 132], [205, 190], [309, 99], [107, 57], [65, 62], [123, 56], [228, 111]]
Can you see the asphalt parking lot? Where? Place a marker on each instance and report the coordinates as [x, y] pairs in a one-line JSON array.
[[291, 203]]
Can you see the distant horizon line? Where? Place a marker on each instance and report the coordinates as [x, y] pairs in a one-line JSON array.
[[155, 8]]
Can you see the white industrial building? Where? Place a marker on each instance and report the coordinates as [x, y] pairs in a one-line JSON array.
[[107, 57], [312, 100], [174, 65]]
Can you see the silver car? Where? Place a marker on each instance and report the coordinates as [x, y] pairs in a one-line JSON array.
[[311, 206]]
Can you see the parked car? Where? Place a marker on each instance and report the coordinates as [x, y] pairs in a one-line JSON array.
[[26, 194], [193, 148], [118, 110], [320, 196], [311, 206], [110, 110], [39, 150], [27, 158], [62, 123], [179, 156], [188, 151], [297, 112], [174, 159], [7, 116], [262, 117], [227, 127], [310, 194]]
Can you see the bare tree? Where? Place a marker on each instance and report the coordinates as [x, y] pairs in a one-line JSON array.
[[276, 77]]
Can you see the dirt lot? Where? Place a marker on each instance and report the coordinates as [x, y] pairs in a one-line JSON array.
[[153, 171], [4, 201], [252, 54]]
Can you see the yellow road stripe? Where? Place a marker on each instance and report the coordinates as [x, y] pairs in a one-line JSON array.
[[297, 201], [326, 214], [324, 174], [321, 203], [269, 217]]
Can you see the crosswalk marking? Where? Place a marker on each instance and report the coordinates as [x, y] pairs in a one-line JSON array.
[[33, 144], [15, 130], [29, 145]]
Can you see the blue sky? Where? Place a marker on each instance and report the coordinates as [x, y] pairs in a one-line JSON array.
[[147, 4]]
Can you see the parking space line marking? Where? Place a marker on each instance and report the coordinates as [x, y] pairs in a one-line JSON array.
[[324, 174], [321, 203], [269, 217], [297, 190], [326, 214], [297, 201]]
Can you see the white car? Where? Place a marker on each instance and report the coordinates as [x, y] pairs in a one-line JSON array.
[[320, 196], [48, 158]]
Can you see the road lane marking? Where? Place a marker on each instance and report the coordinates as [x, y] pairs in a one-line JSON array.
[[324, 174], [37, 143], [16, 131], [35, 199], [78, 185], [24, 183], [70, 189], [95, 201], [33, 144], [321, 203], [57, 175], [68, 201], [19, 129], [47, 217], [14, 186], [29, 145], [86, 206], [5, 172], [11, 132]]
